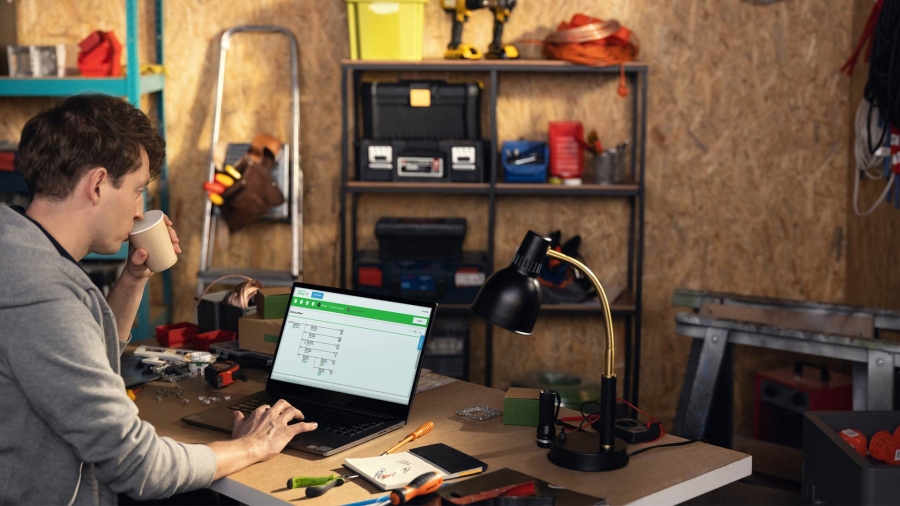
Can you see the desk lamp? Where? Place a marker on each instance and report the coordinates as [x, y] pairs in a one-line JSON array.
[[511, 299]]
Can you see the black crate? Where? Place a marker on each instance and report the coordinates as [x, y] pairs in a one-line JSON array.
[[448, 347], [420, 238], [833, 473], [453, 110]]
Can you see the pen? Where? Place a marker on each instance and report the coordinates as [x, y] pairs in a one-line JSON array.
[[421, 431]]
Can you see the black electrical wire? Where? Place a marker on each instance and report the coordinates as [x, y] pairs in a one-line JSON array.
[[683, 443], [883, 86]]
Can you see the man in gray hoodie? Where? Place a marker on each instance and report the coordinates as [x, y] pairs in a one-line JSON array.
[[69, 434]]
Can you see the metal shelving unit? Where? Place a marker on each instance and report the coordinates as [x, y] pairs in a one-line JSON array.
[[629, 305], [132, 86]]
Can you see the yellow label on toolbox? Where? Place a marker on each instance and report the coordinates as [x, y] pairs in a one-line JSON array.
[[419, 97]]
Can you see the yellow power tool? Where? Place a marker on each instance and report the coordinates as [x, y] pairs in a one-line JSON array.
[[461, 10]]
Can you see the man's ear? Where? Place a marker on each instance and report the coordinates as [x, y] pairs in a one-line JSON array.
[[97, 181]]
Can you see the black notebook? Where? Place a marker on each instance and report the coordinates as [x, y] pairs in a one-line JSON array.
[[453, 462]]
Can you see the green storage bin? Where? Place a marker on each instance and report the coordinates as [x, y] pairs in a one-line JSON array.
[[386, 30]]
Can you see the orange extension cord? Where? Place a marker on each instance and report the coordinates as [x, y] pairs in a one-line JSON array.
[[590, 41]]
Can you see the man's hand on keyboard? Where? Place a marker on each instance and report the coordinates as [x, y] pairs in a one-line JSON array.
[[267, 427]]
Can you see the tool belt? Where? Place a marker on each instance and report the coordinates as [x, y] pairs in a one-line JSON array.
[[255, 192]]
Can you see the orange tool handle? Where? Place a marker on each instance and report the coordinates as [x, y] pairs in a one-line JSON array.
[[421, 431], [423, 485]]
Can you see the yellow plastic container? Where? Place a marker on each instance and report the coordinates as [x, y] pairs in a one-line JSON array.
[[386, 30]]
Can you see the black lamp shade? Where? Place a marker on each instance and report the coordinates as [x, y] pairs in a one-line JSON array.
[[511, 297]]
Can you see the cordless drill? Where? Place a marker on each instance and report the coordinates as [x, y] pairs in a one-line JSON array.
[[461, 10]]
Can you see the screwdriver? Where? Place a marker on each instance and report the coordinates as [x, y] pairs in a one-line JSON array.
[[317, 486], [421, 431], [423, 485]]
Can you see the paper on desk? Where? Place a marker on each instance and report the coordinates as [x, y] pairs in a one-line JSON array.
[[429, 380]]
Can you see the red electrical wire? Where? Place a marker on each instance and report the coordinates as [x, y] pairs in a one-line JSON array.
[[593, 418]]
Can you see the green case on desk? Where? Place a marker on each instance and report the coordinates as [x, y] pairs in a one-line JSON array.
[[520, 406]]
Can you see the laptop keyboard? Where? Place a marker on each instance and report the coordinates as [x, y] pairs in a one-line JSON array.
[[329, 420]]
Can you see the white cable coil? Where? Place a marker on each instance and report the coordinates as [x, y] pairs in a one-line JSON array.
[[869, 134]]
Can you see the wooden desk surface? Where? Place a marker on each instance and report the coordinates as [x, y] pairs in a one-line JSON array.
[[663, 476]]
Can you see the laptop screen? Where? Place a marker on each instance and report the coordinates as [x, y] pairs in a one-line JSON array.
[[351, 344]]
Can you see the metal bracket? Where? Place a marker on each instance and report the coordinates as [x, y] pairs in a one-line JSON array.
[[700, 384]]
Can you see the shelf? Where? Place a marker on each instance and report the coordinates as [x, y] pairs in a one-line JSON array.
[[392, 187], [586, 190], [490, 65], [623, 306], [66, 86]]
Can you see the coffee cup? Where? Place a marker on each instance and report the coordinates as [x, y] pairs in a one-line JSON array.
[[152, 234]]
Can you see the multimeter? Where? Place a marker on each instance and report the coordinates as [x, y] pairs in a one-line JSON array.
[[635, 431]]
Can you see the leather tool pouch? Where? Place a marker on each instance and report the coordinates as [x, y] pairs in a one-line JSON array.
[[255, 192]]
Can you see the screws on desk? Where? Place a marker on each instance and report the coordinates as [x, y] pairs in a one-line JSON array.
[[185, 401], [201, 398], [159, 391], [179, 393], [227, 397], [205, 402], [158, 398]]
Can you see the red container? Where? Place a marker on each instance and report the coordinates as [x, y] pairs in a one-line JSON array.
[[176, 334], [202, 341], [566, 154]]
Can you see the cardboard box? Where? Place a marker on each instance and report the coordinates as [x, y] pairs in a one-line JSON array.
[[520, 406], [272, 303], [258, 334]]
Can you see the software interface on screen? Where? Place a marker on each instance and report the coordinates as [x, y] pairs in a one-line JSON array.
[[351, 344]]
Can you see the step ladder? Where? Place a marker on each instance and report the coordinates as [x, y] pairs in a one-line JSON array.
[[290, 179]]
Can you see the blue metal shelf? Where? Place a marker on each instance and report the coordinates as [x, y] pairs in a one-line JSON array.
[[132, 86], [66, 86]]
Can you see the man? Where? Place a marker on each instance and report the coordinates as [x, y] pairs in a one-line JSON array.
[[69, 434]]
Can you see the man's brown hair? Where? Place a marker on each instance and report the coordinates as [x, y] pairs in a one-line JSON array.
[[60, 145]]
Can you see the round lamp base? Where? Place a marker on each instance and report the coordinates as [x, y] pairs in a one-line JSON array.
[[581, 451]]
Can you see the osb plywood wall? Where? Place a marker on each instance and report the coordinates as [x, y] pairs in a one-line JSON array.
[[746, 155]]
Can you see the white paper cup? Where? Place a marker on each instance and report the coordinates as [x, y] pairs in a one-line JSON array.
[[152, 235]]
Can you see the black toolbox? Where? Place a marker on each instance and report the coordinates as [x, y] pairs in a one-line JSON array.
[[422, 161], [420, 238], [438, 280], [833, 472], [421, 110]]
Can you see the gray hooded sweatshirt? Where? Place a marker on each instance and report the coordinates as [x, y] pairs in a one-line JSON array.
[[66, 421]]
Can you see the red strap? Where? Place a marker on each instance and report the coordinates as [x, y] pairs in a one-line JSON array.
[[867, 33]]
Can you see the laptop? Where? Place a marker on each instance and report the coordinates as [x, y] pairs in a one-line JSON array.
[[350, 361]]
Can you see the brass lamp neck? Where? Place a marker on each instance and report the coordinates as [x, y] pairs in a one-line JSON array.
[[609, 370]]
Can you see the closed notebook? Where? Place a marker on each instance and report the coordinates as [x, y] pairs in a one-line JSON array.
[[452, 462], [398, 469]]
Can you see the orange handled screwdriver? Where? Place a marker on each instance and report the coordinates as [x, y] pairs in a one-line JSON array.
[[423, 485], [421, 431]]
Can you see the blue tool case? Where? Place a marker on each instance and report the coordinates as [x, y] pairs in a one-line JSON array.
[[525, 161]]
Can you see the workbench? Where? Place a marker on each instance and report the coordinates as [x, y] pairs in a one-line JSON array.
[[719, 321], [662, 476]]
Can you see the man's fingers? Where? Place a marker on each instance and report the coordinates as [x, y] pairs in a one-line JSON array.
[[238, 419], [139, 256], [303, 427], [281, 406], [262, 409], [290, 414], [168, 221]]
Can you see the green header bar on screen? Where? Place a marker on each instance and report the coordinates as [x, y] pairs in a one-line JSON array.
[[362, 312]]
